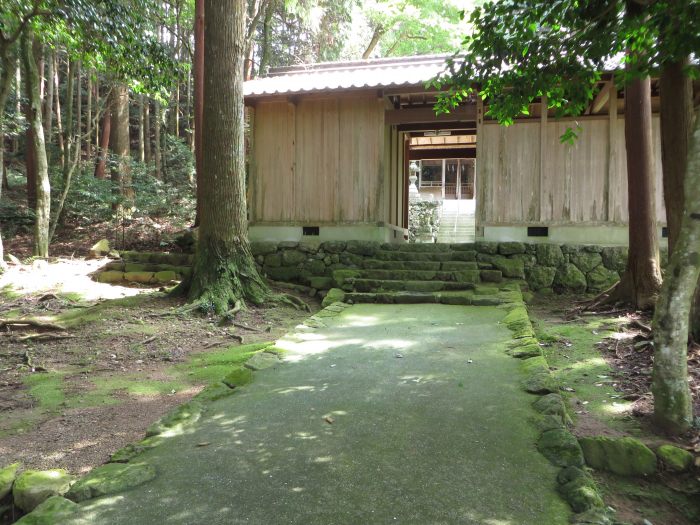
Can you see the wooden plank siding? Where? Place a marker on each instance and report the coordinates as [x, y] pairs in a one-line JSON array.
[[318, 161], [527, 176]]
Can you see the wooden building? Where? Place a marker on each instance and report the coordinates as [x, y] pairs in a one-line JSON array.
[[331, 146]]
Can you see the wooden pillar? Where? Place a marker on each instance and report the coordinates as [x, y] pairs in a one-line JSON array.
[[611, 172]]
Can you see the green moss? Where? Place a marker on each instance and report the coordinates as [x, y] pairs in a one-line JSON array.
[[560, 447], [674, 458], [211, 367], [110, 479], [238, 377], [579, 490], [334, 295], [47, 389], [8, 292], [32, 487], [341, 276], [7, 478], [132, 450], [623, 456], [110, 276], [54, 510], [538, 379], [177, 419], [518, 322], [214, 392]]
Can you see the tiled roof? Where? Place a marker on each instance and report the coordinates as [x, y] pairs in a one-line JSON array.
[[336, 76]]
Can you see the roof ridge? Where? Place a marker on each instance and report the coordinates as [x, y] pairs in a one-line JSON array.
[[358, 64]]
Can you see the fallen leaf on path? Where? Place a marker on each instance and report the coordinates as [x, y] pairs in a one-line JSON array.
[[329, 420]]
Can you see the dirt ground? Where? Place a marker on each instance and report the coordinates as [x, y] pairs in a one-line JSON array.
[[69, 398]]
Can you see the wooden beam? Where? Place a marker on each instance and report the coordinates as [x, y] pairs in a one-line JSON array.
[[600, 99], [462, 128], [440, 153], [416, 115]]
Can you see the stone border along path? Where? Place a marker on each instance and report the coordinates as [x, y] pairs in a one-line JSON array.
[[368, 422]]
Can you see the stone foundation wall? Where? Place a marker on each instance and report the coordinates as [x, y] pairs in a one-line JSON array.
[[545, 267]]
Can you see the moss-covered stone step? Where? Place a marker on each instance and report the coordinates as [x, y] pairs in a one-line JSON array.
[[402, 255], [374, 285], [113, 276], [175, 259], [465, 297], [468, 276], [118, 266], [375, 264]]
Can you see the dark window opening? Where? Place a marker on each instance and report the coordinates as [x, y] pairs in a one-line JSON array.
[[664, 232], [538, 231], [310, 230]]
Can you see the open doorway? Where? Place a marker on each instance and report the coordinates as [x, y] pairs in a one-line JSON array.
[[443, 163]]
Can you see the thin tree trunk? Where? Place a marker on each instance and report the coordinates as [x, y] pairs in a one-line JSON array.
[[78, 108], [119, 143], [43, 194], [48, 100], [68, 128], [673, 409], [198, 98], [266, 40], [224, 270], [88, 123], [142, 147], [188, 112], [641, 282], [5, 86], [376, 36], [103, 147], [18, 103], [57, 105], [156, 141], [147, 130]]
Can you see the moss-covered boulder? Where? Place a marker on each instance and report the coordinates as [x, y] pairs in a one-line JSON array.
[[549, 255], [674, 458], [367, 248], [238, 377], [585, 260], [54, 510], [486, 247], [579, 490], [263, 247], [561, 448], [600, 278], [110, 276], [623, 456], [334, 295], [537, 379], [273, 260], [132, 450], [99, 249], [539, 277], [615, 258], [33, 487], [525, 350], [511, 248], [342, 277], [176, 420], [293, 257], [514, 268], [110, 479], [333, 246], [518, 322], [551, 404], [491, 276], [214, 392], [285, 274], [7, 478], [321, 283], [570, 279]]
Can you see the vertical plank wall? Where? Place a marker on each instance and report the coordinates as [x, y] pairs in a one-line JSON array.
[[319, 161], [525, 175]]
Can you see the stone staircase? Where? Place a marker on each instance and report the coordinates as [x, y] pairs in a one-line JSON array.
[[457, 221], [416, 272]]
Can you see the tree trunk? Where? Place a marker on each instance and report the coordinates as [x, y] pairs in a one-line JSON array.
[[68, 127], [18, 103], [30, 163], [376, 36], [641, 282], [147, 131], [673, 408], [158, 174], [43, 194], [5, 85], [88, 121], [142, 147], [57, 105], [48, 100], [103, 148], [266, 40], [224, 270], [119, 143], [78, 108], [198, 98]]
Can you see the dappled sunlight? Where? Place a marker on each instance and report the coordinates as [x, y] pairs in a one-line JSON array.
[[300, 388], [66, 276]]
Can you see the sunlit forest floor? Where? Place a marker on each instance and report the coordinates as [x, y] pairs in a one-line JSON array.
[[69, 398]]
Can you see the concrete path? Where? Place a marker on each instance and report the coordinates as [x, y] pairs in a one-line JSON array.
[[401, 414]]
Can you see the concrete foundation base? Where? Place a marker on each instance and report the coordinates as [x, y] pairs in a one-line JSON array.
[[362, 232], [605, 235]]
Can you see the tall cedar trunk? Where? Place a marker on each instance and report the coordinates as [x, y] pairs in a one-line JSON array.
[[147, 131], [30, 163], [57, 105], [68, 126], [5, 85], [18, 98], [119, 143], [198, 97], [103, 147], [641, 282], [142, 147], [48, 99], [266, 40], [158, 158], [78, 108], [673, 409], [88, 119], [224, 270], [43, 189]]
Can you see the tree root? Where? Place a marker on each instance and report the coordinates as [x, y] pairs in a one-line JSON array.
[[291, 300], [29, 321]]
